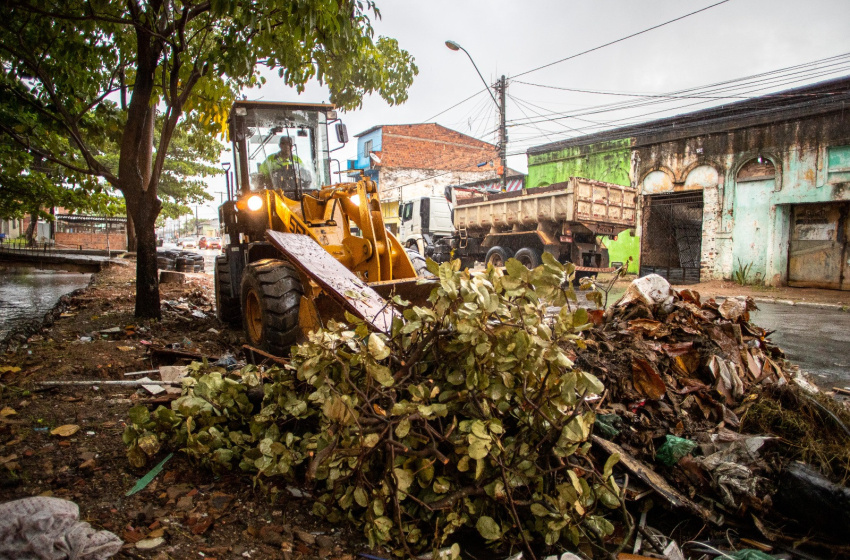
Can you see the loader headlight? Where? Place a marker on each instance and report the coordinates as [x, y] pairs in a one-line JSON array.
[[255, 203]]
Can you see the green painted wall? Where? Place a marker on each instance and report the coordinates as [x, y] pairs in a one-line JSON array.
[[604, 161]]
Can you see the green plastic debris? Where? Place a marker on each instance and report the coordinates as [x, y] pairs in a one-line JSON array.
[[674, 449], [750, 554], [608, 425], [145, 480]]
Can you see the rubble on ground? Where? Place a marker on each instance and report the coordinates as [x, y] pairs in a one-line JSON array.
[[699, 441]]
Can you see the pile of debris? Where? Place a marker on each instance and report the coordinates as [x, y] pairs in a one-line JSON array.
[[689, 383], [484, 419]]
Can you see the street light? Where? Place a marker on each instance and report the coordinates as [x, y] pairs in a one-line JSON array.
[[456, 47], [503, 132]]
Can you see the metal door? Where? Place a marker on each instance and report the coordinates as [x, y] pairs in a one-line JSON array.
[[671, 244], [818, 253]]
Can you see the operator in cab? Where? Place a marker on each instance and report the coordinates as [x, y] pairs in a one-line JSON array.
[[284, 170]]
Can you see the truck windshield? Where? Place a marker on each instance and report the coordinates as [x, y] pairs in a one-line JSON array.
[[282, 148]]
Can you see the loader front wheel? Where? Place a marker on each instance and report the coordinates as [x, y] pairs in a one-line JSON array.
[[271, 296]]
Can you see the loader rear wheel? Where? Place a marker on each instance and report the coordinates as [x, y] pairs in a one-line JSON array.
[[271, 296], [227, 307], [418, 262], [497, 256]]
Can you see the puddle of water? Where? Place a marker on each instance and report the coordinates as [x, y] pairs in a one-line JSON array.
[[28, 293]]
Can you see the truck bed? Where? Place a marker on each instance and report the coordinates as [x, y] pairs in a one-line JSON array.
[[605, 208]]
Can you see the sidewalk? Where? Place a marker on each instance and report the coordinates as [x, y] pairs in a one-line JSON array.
[[810, 297]]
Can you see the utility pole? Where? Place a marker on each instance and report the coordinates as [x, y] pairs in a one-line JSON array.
[[501, 88]]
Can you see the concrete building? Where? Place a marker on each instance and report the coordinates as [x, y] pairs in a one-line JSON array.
[[12, 229], [415, 160], [761, 185]]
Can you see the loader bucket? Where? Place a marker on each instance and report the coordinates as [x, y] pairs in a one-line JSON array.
[[341, 287]]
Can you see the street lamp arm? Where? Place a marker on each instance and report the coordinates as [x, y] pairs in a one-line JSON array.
[[455, 46]]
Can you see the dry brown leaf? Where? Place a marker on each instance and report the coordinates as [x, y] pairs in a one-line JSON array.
[[7, 412], [646, 380], [66, 430]]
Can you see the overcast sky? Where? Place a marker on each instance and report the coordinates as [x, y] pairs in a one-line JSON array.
[[730, 41]]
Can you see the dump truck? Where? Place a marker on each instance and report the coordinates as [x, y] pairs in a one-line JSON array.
[[291, 259], [568, 220]]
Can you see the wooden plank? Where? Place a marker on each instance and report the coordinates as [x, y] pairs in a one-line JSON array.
[[644, 472], [354, 295]]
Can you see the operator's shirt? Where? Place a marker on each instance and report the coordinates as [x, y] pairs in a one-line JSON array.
[[276, 162]]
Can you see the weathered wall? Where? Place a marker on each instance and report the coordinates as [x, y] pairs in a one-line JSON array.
[[603, 161], [748, 219], [116, 241]]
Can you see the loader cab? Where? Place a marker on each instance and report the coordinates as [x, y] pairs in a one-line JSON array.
[[280, 146]]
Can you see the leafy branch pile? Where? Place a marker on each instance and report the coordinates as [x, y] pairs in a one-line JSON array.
[[468, 414]]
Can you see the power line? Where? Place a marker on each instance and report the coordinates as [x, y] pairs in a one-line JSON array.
[[730, 85], [455, 105], [778, 82], [619, 40]]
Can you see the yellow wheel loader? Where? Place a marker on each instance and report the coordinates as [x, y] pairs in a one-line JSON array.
[[298, 249]]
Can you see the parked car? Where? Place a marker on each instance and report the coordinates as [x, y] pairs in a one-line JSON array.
[[214, 243], [202, 243]]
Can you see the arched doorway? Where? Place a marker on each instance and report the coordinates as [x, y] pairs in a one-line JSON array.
[[754, 184]]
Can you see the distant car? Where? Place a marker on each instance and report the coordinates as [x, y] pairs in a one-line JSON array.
[[189, 243], [202, 243], [214, 243]]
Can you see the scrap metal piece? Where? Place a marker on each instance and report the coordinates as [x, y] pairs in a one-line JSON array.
[[354, 295]]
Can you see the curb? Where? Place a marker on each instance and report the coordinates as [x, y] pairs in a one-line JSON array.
[[811, 304]]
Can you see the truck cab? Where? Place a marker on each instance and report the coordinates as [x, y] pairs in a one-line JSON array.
[[424, 221]]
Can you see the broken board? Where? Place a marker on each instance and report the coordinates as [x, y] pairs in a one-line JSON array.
[[644, 472], [354, 295]]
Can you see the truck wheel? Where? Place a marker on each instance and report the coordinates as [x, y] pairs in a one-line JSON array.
[[529, 257], [271, 296], [497, 256], [227, 307], [418, 262]]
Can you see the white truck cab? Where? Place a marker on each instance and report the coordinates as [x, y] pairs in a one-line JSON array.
[[424, 221]]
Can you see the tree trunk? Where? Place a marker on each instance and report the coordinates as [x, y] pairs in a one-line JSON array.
[[147, 281], [30, 235], [134, 176], [131, 233]]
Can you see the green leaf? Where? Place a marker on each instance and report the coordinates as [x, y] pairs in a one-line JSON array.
[[488, 528], [381, 374], [404, 478], [377, 347], [361, 497], [516, 269], [139, 415], [612, 460], [402, 428], [539, 510]]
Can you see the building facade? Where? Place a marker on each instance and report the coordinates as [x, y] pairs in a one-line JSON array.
[[760, 186], [416, 160]]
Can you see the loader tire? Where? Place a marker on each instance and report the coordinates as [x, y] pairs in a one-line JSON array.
[[529, 257], [271, 297], [497, 256], [227, 307], [418, 262]]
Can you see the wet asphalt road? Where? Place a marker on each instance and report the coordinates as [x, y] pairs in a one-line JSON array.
[[818, 340]]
